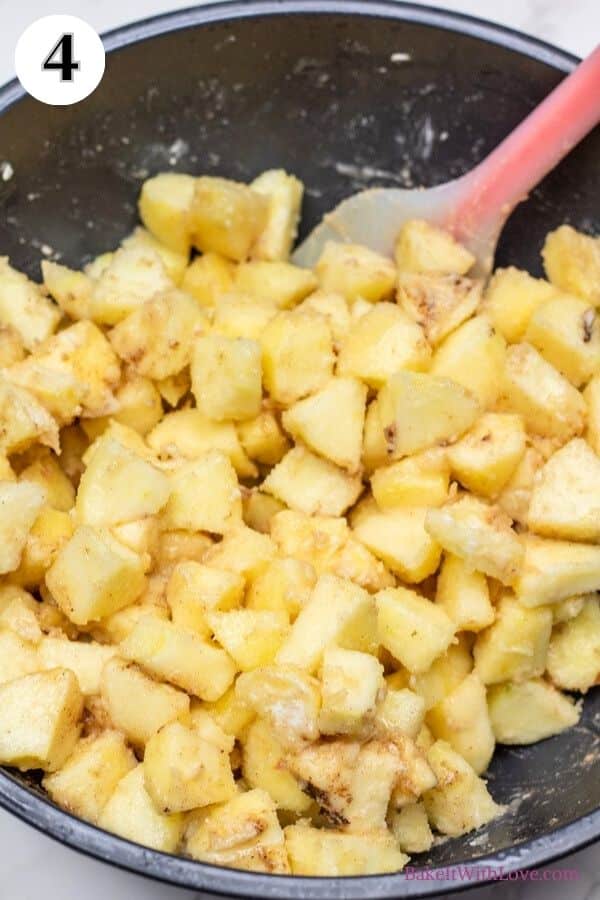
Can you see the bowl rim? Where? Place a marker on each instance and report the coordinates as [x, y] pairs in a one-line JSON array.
[[42, 814]]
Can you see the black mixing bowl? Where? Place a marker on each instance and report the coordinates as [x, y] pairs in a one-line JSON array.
[[344, 94]]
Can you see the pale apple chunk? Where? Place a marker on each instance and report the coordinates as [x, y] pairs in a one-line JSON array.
[[312, 485], [422, 247], [313, 851], [283, 193], [338, 611], [412, 628], [473, 356], [85, 660], [331, 421], [205, 495], [352, 683], [70, 289], [119, 486], [418, 410], [554, 570], [86, 782], [287, 697], [572, 262], [164, 205], [18, 657], [94, 575], [137, 705], [183, 771], [410, 827], [380, 343], [565, 501], [515, 646], [133, 276], [460, 802], [419, 480], [285, 584], [24, 306], [574, 652], [464, 595], [251, 637], [131, 813], [401, 713], [486, 457], [265, 766], [174, 261], [515, 497], [462, 720], [511, 298], [279, 282], [566, 331], [178, 656], [156, 340], [530, 711], [480, 534], [226, 217], [24, 420], [207, 278], [243, 833], [20, 505], [438, 303], [297, 355], [263, 438], [39, 720], [399, 538], [227, 377], [549, 404], [194, 589], [355, 271]]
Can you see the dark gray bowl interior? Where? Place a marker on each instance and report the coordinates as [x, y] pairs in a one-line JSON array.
[[313, 87]]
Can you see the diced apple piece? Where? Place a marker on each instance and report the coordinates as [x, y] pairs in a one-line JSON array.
[[194, 589], [243, 833], [133, 276], [156, 340], [462, 720], [39, 720], [355, 271], [338, 611], [398, 538], [572, 262], [445, 673], [279, 282], [574, 652], [90, 776], [69, 288], [473, 356], [464, 595], [251, 637], [420, 480], [401, 713], [174, 261], [85, 660], [94, 575], [511, 298], [422, 247], [516, 645], [183, 771], [549, 404], [352, 683], [529, 712], [283, 193], [18, 657], [227, 217], [227, 377], [287, 697], [486, 457], [24, 306], [331, 421], [438, 303], [412, 628], [480, 534], [565, 501], [264, 766], [410, 827], [20, 505], [297, 355], [566, 331], [205, 495], [164, 204], [314, 852], [312, 485], [461, 802], [382, 342], [242, 550], [24, 421], [181, 657], [417, 411], [554, 570], [119, 486], [131, 813], [207, 278], [285, 584], [137, 705], [263, 439]]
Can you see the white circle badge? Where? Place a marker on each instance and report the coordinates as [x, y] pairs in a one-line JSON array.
[[59, 60]]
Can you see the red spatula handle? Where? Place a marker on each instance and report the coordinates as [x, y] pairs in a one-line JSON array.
[[533, 149]]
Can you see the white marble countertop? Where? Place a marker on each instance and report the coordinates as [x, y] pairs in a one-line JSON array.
[[31, 865]]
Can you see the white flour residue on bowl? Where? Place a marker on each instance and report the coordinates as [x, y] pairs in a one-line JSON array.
[[6, 170]]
